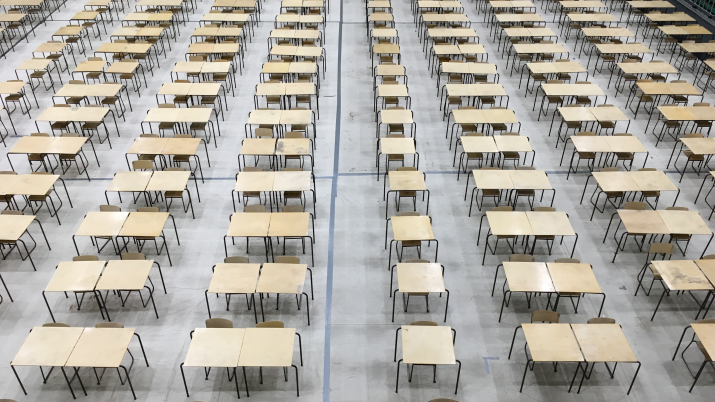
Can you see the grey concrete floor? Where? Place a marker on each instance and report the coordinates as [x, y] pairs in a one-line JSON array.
[[360, 332]]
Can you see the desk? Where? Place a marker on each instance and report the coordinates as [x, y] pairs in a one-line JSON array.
[[426, 346], [273, 183], [50, 145], [404, 183], [187, 116], [418, 279], [269, 347], [143, 226], [570, 278], [233, 279], [554, 343], [411, 229], [604, 145], [284, 279], [604, 343], [396, 146], [641, 223], [28, 185], [590, 116], [127, 276], [524, 277], [214, 347], [397, 117], [511, 181], [624, 182], [485, 117], [705, 333], [680, 275], [77, 277], [568, 90], [285, 118]]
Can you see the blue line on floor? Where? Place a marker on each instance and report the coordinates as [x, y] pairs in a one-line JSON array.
[[331, 228]]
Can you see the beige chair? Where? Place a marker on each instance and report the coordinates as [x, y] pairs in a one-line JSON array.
[[109, 208], [550, 317], [56, 325], [85, 258], [664, 249], [219, 323], [236, 260], [270, 324], [601, 320]]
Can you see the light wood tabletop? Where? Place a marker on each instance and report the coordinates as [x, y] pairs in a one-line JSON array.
[[255, 181], [406, 228], [642, 222], [575, 278], [420, 277], [13, 226], [603, 343], [267, 347], [101, 347], [75, 276], [47, 346], [102, 224], [215, 347], [427, 345], [397, 146], [144, 224], [684, 222], [294, 224], [706, 334], [406, 181], [528, 277], [552, 343], [550, 223], [513, 223], [254, 224], [282, 278], [234, 278], [27, 184], [682, 275], [258, 146], [125, 275]]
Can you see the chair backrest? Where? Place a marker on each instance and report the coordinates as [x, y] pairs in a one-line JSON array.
[[408, 214], [133, 256], [148, 135], [8, 172], [676, 209], [707, 321], [142, 165], [148, 209], [219, 323], [609, 169], [235, 260], [252, 169], [586, 134], [108, 325], [406, 169], [442, 400], [545, 316], [76, 82], [69, 135], [568, 260], [417, 261], [601, 320], [424, 323], [109, 208], [56, 325], [661, 248], [521, 258], [502, 208], [623, 135], [85, 258], [11, 212], [693, 135], [174, 169], [287, 260], [708, 257], [635, 205], [166, 106], [704, 104], [39, 135], [544, 209], [293, 209], [270, 324], [254, 208]]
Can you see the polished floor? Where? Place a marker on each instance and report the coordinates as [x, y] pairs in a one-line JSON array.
[[351, 280]]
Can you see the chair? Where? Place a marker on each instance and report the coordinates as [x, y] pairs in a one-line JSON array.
[[56, 325], [235, 260], [521, 258], [251, 194], [417, 244], [172, 195], [655, 248], [550, 317], [85, 258], [642, 98], [43, 199], [601, 320], [706, 356], [546, 238], [409, 193], [219, 323], [690, 156], [679, 237], [270, 324], [109, 208]]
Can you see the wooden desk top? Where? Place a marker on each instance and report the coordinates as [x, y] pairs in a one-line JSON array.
[[406, 228], [81, 90], [485, 116], [267, 347], [223, 17], [255, 181], [439, 4], [698, 47], [550, 223], [305, 19], [511, 4], [90, 66], [572, 90], [125, 275], [47, 346], [386, 48], [399, 90], [451, 33], [427, 345], [407, 181], [101, 347], [102, 224], [75, 276], [529, 32], [668, 88], [282, 278], [706, 334], [50, 47], [160, 115], [384, 33], [397, 146], [650, 4], [670, 17], [168, 181], [582, 4], [603, 343], [422, 277], [122, 67], [625, 144], [708, 268], [34, 64], [576, 278], [135, 48], [642, 222], [700, 146], [147, 146], [27, 184], [590, 144], [615, 181], [687, 113], [561, 67], [396, 117], [200, 67], [684, 222], [13, 226], [12, 17], [528, 277], [526, 17], [684, 30], [253, 224], [512, 143], [234, 278], [530, 48], [215, 347], [181, 146], [77, 114], [623, 48], [478, 144], [293, 224], [492, 179], [157, 17], [552, 343], [652, 181], [144, 224], [682, 275], [530, 180], [595, 17], [292, 181], [70, 30], [514, 223], [610, 32], [85, 16], [258, 146]]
